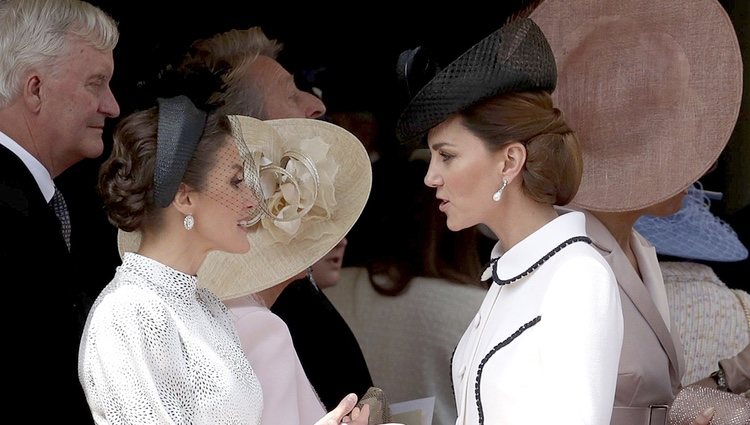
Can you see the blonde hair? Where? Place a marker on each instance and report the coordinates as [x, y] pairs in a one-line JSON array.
[[232, 52]]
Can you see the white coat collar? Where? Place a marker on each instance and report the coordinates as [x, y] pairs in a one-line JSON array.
[[532, 250]]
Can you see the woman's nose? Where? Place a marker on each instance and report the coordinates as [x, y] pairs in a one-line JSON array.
[[251, 198], [431, 179]]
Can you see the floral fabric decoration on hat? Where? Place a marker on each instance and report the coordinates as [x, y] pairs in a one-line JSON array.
[[693, 232], [295, 177]]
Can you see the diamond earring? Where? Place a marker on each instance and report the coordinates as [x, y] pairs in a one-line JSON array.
[[188, 222]]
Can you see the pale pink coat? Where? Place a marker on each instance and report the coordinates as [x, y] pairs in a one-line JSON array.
[[288, 396]]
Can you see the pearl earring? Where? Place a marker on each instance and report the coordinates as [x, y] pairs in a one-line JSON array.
[[499, 194], [188, 222]]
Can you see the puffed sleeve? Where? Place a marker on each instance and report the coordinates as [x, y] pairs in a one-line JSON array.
[[581, 346], [131, 363]]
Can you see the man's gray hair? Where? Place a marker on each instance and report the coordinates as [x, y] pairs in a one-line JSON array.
[[36, 34]]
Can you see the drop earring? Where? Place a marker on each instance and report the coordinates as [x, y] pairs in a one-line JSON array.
[[188, 222], [499, 194], [311, 278]]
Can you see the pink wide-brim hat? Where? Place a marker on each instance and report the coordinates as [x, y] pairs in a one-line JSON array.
[[651, 88]]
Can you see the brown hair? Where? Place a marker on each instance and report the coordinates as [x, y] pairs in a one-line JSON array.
[[126, 178], [553, 168]]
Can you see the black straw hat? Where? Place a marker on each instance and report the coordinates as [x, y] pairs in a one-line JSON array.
[[514, 58]]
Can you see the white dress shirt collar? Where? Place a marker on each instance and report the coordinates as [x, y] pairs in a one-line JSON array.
[[41, 174]]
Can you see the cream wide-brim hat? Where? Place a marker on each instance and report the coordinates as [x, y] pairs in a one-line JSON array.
[[651, 88], [270, 261]]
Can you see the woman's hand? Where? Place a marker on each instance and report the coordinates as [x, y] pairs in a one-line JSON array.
[[705, 417], [346, 412]]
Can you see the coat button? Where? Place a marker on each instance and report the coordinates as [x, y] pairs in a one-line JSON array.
[[462, 372], [477, 320]]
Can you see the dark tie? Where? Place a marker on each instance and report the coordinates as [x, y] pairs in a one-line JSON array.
[[61, 210]]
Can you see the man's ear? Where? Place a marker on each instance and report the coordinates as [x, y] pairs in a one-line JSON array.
[[514, 158], [184, 199], [32, 92]]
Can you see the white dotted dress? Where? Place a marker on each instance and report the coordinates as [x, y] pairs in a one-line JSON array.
[[158, 350]]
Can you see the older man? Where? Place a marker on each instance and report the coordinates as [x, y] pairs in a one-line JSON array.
[[55, 67]]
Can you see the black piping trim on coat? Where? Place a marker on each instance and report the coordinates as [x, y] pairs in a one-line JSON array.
[[453, 390], [497, 348], [534, 266]]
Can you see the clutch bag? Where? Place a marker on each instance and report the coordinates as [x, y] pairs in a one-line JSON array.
[[730, 409], [379, 411]]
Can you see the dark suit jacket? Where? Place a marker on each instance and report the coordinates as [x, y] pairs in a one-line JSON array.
[[39, 274], [326, 346]]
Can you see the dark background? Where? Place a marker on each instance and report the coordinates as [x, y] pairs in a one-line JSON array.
[[357, 44], [355, 47]]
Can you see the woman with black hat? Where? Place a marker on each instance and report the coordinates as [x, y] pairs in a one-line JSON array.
[[502, 155]]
